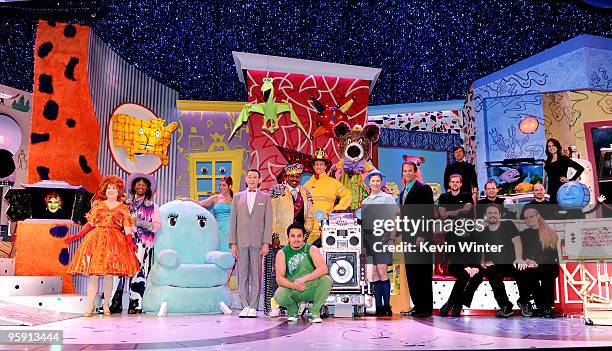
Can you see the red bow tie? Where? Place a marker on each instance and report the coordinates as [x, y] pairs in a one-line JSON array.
[[252, 191]]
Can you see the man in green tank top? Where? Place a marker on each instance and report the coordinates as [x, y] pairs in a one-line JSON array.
[[301, 274]]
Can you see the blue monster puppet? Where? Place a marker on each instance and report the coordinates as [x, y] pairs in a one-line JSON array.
[[189, 273]]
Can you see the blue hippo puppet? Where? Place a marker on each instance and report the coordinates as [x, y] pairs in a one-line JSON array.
[[189, 272]]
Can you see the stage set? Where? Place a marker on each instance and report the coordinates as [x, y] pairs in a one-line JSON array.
[[92, 114]]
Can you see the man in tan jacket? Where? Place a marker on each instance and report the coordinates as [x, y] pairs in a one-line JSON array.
[[290, 203]]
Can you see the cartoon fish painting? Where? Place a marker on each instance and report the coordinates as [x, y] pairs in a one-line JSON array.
[[510, 176], [138, 136]]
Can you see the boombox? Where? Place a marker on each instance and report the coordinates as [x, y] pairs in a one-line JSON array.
[[341, 237], [346, 269]]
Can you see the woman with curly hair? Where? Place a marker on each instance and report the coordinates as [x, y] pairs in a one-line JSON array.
[[107, 250]]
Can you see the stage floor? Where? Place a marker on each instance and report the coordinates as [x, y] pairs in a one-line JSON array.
[[220, 332]]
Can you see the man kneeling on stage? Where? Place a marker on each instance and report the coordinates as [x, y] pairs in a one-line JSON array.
[[301, 274]]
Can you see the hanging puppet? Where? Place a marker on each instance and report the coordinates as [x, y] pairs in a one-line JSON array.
[[270, 109], [329, 116]]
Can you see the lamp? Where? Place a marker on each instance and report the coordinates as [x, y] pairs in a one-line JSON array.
[[529, 124]]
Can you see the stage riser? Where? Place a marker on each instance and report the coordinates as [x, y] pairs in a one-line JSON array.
[[29, 286], [69, 303], [7, 266]]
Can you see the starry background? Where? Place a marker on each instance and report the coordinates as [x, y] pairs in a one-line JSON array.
[[428, 50]]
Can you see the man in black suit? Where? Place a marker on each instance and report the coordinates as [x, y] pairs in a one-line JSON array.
[[417, 199]]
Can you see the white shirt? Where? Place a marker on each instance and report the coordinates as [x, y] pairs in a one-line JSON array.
[[251, 199]]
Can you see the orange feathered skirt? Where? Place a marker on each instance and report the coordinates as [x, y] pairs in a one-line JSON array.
[[105, 251]]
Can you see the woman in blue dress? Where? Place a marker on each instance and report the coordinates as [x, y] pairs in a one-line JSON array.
[[221, 208]]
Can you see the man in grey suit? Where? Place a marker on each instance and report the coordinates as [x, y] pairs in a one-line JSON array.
[[249, 238]]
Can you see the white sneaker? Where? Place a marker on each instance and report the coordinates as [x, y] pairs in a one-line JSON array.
[[244, 313], [316, 320], [275, 312], [252, 313], [292, 319]]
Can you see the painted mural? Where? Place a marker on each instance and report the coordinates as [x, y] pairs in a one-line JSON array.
[[582, 62], [572, 109], [297, 89], [503, 116], [450, 121], [206, 132]]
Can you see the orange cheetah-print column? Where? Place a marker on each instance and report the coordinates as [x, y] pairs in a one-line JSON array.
[[65, 133]]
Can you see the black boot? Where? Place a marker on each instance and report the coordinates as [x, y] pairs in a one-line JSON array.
[[380, 311], [132, 309], [456, 311], [445, 309], [117, 302], [388, 311]]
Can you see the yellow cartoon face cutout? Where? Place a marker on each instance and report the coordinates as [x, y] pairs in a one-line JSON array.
[[139, 136]]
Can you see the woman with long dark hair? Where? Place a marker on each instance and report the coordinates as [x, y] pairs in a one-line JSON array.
[[556, 167]]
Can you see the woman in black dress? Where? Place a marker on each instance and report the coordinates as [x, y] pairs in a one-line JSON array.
[[556, 167]]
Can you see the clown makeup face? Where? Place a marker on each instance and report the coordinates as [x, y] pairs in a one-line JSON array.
[[54, 204], [111, 192]]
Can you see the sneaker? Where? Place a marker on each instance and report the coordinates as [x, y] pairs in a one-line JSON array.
[[505, 312], [275, 312], [252, 313], [292, 319], [244, 313], [526, 309], [316, 319]]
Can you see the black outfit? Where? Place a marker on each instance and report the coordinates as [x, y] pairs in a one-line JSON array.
[[481, 206], [556, 170], [545, 208], [465, 286], [502, 261], [418, 266], [467, 173], [539, 282]]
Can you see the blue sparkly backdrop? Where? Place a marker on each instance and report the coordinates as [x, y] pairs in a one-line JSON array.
[[428, 50]]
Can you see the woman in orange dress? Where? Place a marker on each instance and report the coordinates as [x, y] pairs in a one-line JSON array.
[[106, 250]]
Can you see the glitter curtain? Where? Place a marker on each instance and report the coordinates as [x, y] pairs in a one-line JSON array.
[[428, 50]]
